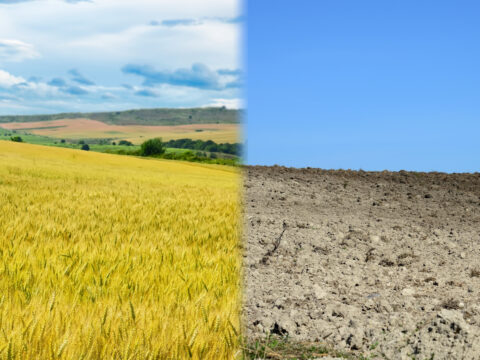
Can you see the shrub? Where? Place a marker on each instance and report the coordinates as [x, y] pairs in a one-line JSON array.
[[62, 141], [85, 147], [16, 139], [125, 142], [152, 147], [114, 143], [209, 145]]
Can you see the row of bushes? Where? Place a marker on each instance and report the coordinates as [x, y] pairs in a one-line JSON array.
[[209, 145], [156, 148], [150, 147], [198, 145], [198, 157], [102, 142], [9, 134]]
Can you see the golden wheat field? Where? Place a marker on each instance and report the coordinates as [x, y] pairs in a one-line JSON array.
[[114, 257]]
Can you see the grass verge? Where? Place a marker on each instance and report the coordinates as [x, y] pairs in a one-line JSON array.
[[282, 348]]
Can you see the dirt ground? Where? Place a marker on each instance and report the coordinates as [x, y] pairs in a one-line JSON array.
[[383, 264]]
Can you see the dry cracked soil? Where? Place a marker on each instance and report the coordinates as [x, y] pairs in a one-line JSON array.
[[380, 264]]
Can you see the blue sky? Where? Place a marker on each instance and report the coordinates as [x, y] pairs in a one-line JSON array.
[[364, 84], [102, 55]]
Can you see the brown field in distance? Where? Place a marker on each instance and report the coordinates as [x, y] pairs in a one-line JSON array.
[[89, 129]]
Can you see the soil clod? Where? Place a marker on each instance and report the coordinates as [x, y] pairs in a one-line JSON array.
[[395, 280]]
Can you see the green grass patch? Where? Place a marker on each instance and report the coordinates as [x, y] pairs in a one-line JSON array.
[[43, 128], [278, 348], [105, 146]]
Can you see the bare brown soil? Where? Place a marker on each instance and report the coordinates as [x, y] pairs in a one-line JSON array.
[[382, 264]]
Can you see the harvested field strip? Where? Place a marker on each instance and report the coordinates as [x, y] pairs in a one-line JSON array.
[[113, 257], [89, 129], [44, 128]]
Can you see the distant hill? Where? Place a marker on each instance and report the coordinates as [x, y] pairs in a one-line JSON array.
[[211, 115]]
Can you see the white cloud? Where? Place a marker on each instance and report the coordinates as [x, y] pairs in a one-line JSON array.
[[7, 80], [115, 31], [16, 50], [228, 103], [100, 37], [19, 85], [214, 43]]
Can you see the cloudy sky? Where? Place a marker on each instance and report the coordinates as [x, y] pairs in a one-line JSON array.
[[102, 55]]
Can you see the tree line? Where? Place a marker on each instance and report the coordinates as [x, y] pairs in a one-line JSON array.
[[209, 145], [156, 148]]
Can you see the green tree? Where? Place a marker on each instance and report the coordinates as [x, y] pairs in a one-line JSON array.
[[152, 147], [85, 147], [16, 139]]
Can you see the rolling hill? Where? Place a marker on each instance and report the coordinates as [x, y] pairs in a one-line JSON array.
[[165, 116], [217, 124]]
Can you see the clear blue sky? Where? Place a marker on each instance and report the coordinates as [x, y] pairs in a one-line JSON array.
[[364, 84]]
